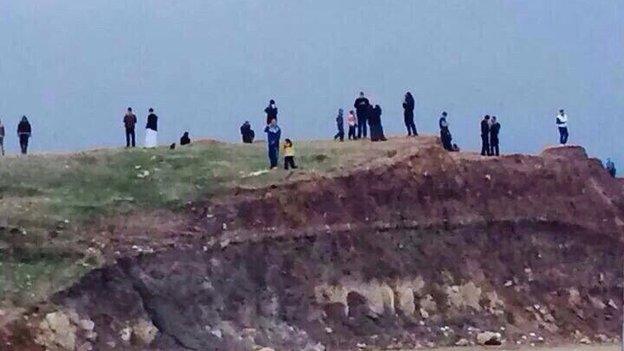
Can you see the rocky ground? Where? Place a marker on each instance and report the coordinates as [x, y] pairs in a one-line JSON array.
[[560, 348], [419, 248]]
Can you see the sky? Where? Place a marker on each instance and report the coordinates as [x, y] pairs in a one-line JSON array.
[[73, 67]]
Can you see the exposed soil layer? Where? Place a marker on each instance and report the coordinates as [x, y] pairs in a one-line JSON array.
[[421, 248]]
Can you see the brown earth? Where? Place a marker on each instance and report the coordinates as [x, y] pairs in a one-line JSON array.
[[421, 248]]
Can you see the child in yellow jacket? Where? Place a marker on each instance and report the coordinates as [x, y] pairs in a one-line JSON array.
[[289, 155]]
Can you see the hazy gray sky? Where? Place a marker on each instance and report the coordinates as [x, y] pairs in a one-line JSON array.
[[205, 66]]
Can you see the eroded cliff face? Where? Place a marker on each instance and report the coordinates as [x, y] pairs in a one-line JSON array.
[[419, 249]]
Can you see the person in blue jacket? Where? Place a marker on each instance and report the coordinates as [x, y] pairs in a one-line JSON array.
[[274, 133]]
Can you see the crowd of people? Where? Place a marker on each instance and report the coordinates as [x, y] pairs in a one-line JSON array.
[[365, 119]]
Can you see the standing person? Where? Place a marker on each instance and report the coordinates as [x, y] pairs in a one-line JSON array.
[[289, 155], [185, 139], [562, 124], [274, 133], [24, 132], [352, 123], [130, 122], [376, 130], [494, 130], [271, 111], [340, 125], [2, 134], [610, 166], [408, 114], [445, 133], [485, 136], [362, 108], [247, 133], [151, 130]]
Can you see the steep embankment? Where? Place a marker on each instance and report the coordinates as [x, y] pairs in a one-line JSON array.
[[423, 247]]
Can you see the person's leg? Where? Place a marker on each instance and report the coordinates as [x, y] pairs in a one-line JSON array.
[[494, 148], [414, 128], [26, 145], [359, 128], [272, 157], [133, 135], [484, 147], [127, 137], [364, 129], [286, 162], [407, 125], [2, 145], [566, 135], [562, 137]]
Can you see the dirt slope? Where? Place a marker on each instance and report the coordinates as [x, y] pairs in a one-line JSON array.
[[420, 248]]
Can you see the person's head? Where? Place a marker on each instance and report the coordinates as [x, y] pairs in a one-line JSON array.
[[186, 134], [288, 142], [246, 122], [351, 112], [486, 117], [493, 119], [129, 109], [340, 111], [271, 102], [273, 122], [361, 94], [408, 94], [561, 112], [24, 119], [151, 110], [444, 114]]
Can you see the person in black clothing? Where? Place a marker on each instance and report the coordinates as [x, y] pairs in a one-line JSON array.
[[151, 129], [485, 136], [24, 132], [247, 133], [185, 140], [408, 114], [271, 112], [130, 122], [376, 130], [494, 130], [445, 133], [362, 108], [340, 125]]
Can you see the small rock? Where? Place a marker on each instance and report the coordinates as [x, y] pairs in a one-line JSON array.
[[489, 338], [86, 324], [585, 341], [612, 304], [462, 342], [145, 331], [597, 303], [217, 333], [329, 330], [125, 334]]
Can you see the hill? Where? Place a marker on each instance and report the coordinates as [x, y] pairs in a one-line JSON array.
[[387, 244]]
